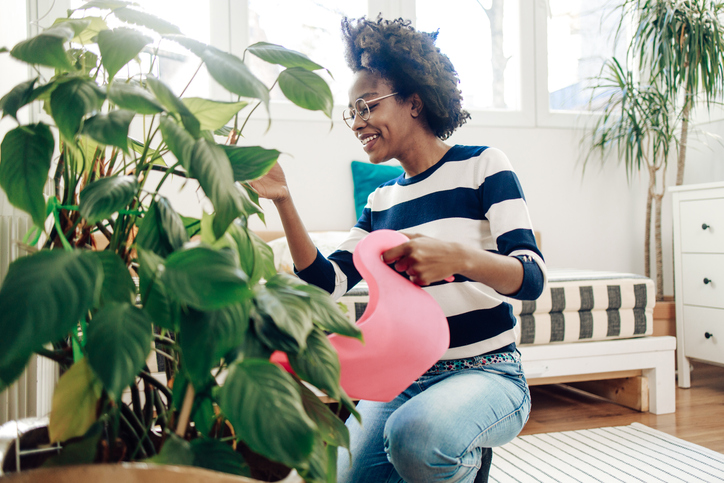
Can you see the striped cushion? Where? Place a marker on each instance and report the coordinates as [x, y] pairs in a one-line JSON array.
[[576, 305], [587, 305]]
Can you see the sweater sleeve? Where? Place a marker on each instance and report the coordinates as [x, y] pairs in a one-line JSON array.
[[505, 207]]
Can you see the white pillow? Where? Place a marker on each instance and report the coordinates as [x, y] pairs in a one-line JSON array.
[[326, 241]]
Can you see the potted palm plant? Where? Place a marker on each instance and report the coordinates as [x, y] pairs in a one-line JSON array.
[[638, 122], [677, 48], [113, 273], [680, 44]]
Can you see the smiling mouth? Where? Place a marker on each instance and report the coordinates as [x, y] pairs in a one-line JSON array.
[[365, 140]]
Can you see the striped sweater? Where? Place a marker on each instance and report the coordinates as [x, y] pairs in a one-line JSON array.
[[470, 196]]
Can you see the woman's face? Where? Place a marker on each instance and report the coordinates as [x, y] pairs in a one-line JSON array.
[[385, 133]]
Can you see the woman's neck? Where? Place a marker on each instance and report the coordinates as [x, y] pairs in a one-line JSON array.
[[422, 154]]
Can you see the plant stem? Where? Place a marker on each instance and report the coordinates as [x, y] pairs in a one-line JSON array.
[[184, 416], [681, 162], [155, 383], [192, 79], [136, 401], [132, 430]]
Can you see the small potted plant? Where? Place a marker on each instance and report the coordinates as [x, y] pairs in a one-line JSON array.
[[115, 273]]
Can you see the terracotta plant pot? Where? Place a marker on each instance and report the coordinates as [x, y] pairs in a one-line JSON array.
[[33, 431], [132, 473]]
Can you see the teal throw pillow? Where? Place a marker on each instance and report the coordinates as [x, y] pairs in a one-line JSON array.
[[367, 177]]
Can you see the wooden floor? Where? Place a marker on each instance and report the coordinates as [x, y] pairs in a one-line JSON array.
[[699, 416]]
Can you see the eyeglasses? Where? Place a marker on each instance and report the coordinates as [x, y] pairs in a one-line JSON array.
[[362, 108]]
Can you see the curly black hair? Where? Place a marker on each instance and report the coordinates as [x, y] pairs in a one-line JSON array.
[[409, 60]]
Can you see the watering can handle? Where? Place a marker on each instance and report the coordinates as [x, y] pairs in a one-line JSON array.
[[369, 258]]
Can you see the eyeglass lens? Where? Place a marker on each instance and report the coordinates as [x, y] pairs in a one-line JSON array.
[[361, 108]]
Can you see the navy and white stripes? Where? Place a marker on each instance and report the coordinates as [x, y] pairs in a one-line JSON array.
[[472, 196]]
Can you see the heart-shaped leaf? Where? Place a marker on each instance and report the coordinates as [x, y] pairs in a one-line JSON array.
[[168, 99], [26, 153], [175, 451], [46, 48], [104, 197], [43, 297], [276, 54], [250, 162], [191, 44], [255, 257], [307, 90], [93, 25], [144, 19], [162, 230], [119, 340], [18, 96], [318, 364], [119, 46], [215, 455], [106, 4], [110, 129], [70, 101], [288, 309], [229, 71], [117, 285], [213, 114], [78, 25], [211, 167], [264, 405], [74, 407], [208, 336], [134, 98], [204, 278], [331, 427], [157, 304], [326, 314], [178, 140]]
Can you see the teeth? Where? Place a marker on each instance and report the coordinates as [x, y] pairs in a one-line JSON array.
[[368, 139]]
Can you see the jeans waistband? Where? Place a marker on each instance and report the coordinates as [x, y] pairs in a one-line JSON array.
[[473, 362]]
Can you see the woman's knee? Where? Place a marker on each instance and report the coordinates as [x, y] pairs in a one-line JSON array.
[[421, 451]]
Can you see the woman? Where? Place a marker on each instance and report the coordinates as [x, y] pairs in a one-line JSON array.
[[465, 214]]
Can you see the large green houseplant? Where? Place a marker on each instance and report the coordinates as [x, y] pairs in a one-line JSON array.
[[212, 307]]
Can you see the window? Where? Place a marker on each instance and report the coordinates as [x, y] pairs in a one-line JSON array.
[[176, 65], [308, 26], [482, 39], [581, 36]]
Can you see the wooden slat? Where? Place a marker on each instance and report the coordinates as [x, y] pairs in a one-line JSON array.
[[632, 392], [538, 381]]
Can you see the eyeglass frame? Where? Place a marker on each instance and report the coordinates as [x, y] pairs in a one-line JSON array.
[[350, 114]]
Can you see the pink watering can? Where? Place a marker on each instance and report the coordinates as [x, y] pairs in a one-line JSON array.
[[405, 330]]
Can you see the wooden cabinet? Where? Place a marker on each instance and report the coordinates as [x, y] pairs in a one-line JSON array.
[[698, 212]]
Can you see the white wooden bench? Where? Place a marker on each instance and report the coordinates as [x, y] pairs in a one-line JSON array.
[[646, 362]]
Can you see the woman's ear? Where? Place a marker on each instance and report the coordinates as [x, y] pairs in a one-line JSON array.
[[416, 106]]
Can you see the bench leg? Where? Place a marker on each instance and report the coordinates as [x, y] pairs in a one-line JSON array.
[[662, 383]]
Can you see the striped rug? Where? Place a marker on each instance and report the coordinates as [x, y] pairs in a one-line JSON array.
[[632, 453]]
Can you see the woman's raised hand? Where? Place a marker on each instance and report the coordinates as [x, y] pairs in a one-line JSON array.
[[273, 185]]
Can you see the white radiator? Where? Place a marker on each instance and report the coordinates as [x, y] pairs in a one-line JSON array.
[[32, 394]]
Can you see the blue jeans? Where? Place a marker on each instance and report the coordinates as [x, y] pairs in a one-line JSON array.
[[437, 428]]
